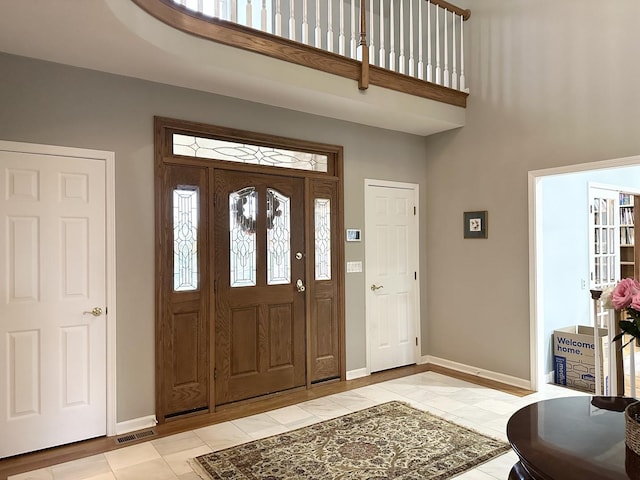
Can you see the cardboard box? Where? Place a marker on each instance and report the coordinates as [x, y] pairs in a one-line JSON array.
[[574, 357]]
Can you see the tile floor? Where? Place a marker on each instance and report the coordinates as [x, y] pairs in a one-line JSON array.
[[166, 458]]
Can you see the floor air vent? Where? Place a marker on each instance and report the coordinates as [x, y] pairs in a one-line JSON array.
[[132, 437]]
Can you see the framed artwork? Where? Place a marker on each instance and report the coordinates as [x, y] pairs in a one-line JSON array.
[[475, 224]]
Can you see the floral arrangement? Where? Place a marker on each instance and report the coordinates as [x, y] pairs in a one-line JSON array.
[[625, 296]]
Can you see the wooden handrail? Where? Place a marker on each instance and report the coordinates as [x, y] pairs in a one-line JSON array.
[[464, 13]]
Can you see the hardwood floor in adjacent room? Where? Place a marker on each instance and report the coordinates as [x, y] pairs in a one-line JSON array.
[[164, 455]]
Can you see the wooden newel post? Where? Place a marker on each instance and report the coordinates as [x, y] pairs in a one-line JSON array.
[[363, 82]]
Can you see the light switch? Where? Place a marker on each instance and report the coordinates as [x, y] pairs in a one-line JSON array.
[[354, 267]]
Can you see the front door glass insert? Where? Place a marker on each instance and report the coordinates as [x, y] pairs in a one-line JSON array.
[[243, 209], [278, 238]]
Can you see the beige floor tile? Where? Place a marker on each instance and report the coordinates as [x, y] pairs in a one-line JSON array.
[[179, 461], [128, 456], [176, 443], [222, 435], [42, 474], [152, 470], [84, 468]]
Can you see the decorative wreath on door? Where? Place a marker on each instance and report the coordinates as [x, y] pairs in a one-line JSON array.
[[246, 220]]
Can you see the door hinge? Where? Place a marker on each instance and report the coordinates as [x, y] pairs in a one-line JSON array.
[[215, 286], [415, 275], [215, 373], [590, 208], [414, 210], [416, 341]]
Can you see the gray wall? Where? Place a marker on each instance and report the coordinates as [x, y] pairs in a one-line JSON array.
[[552, 83], [53, 104]]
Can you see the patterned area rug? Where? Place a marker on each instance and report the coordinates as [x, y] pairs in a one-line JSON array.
[[392, 440]]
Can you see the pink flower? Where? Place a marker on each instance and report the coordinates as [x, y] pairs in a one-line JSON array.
[[635, 302], [624, 293]]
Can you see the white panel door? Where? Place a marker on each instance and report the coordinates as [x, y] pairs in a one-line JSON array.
[[391, 259], [52, 245]]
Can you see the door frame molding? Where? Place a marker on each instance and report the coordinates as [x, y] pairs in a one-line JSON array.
[[110, 250], [370, 182], [535, 214], [164, 127]]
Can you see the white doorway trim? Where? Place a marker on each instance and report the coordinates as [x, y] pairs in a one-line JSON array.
[[368, 182], [535, 252], [109, 161]]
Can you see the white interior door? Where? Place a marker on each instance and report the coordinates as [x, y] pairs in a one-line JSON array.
[[52, 242], [391, 260]]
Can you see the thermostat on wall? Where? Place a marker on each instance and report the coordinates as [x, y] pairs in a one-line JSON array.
[[353, 235]]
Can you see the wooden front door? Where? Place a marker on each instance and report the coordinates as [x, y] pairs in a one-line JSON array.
[[259, 285]]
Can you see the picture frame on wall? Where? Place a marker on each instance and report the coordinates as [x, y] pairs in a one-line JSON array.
[[475, 224]]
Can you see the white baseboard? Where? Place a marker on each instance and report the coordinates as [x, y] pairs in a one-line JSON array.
[[358, 373], [136, 424], [478, 372]]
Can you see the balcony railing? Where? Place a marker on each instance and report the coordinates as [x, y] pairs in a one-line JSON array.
[[419, 40]]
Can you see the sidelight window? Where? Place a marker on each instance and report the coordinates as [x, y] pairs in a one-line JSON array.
[[323, 238], [185, 239]]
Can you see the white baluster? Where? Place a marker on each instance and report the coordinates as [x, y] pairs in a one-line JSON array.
[[401, 60], [420, 40], [438, 71], [383, 54], [354, 43], [263, 16], [371, 30], [249, 14], [429, 66], [454, 73], [412, 68], [234, 11], [278, 16], [341, 34], [318, 31], [292, 20], [462, 85], [200, 7], [216, 9], [446, 50], [329, 26], [305, 24], [392, 41]]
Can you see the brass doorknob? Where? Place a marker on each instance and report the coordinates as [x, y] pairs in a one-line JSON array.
[[96, 312], [375, 287]]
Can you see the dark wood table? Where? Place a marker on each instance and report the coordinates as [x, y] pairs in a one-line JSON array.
[[572, 438]]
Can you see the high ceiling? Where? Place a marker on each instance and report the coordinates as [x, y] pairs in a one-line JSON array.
[[116, 36]]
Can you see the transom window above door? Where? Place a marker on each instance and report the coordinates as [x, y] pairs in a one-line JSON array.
[[201, 147]]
